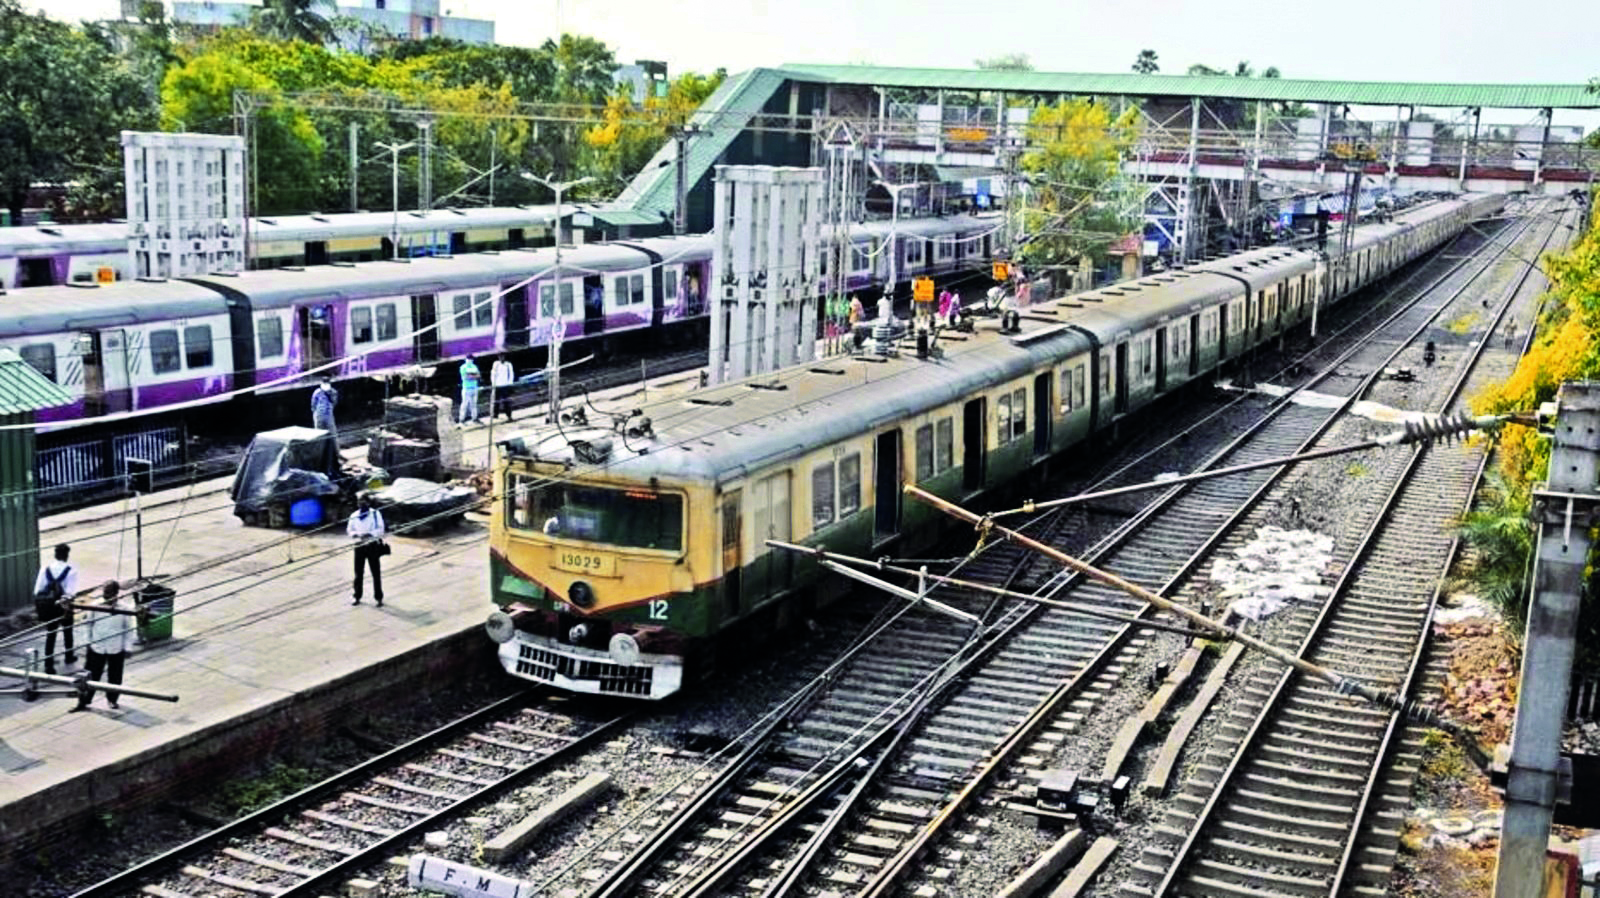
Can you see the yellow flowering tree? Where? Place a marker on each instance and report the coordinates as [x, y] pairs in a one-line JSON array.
[[1077, 202]]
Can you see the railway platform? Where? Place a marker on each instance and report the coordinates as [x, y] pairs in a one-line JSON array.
[[267, 651]]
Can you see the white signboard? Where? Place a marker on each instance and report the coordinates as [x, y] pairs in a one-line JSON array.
[[439, 875]]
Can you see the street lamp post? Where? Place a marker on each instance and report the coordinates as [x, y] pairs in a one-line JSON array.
[[394, 190], [558, 327], [894, 224]]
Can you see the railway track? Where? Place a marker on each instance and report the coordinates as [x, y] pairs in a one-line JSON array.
[[853, 784], [302, 845], [1304, 791]]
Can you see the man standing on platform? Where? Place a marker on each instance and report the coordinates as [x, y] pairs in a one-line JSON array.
[[57, 582], [469, 392], [322, 403], [108, 645], [501, 377], [366, 527]]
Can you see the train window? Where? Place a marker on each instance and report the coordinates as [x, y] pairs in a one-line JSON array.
[[850, 484], [669, 286], [462, 305], [567, 308], [547, 301], [197, 346], [1105, 374], [632, 518], [42, 356], [269, 337], [1066, 390], [822, 495], [483, 309], [637, 281], [1019, 414], [619, 291], [360, 325], [165, 356], [519, 501], [1078, 379], [1002, 420], [925, 453], [1147, 354], [944, 445], [388, 322], [860, 258]]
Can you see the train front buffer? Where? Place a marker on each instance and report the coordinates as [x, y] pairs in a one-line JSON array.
[[595, 583]]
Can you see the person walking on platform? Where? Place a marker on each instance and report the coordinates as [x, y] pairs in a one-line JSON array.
[[366, 527], [469, 392], [109, 634], [57, 582], [322, 404], [501, 377]]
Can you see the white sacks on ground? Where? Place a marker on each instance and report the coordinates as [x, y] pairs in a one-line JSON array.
[[1277, 567]]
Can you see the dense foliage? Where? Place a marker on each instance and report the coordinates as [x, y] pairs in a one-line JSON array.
[[1077, 202], [1567, 349]]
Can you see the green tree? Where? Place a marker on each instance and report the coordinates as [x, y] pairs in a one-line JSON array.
[[1146, 63], [294, 20], [1202, 69], [1007, 62], [630, 132], [1077, 202], [64, 98]]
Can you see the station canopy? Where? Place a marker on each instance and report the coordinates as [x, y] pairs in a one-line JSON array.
[[1132, 84]]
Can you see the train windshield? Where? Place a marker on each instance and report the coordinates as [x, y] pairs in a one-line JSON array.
[[630, 519]]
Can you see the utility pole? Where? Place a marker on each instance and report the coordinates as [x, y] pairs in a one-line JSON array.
[[355, 199], [1563, 509], [680, 218], [493, 135], [894, 225], [425, 166], [558, 327], [394, 191]]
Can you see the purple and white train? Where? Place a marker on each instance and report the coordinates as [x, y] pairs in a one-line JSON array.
[[142, 344]]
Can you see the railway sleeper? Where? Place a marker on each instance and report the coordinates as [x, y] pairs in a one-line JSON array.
[[1349, 707], [1293, 742], [968, 731], [1306, 775], [1249, 814], [1210, 885], [1263, 781], [1302, 757], [232, 882], [1326, 725], [885, 825], [857, 859], [1373, 865], [971, 752], [876, 845], [938, 766], [1360, 633], [1295, 807], [1279, 883], [1278, 849], [1005, 692]]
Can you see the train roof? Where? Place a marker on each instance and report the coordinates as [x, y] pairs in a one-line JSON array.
[[924, 227], [729, 430], [358, 224], [47, 310], [50, 239]]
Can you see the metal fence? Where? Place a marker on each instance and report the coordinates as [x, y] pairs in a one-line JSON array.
[[72, 472]]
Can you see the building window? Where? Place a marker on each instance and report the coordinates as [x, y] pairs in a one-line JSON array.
[[463, 308], [269, 337], [822, 495], [925, 452], [165, 356], [360, 325], [388, 322], [945, 445], [197, 346], [482, 309], [42, 356], [849, 484]]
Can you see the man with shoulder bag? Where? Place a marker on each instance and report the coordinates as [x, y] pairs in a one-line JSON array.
[[366, 528], [56, 584]]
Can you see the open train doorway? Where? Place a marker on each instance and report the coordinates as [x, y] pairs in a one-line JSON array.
[[594, 305], [1043, 413], [974, 416], [517, 316], [886, 485], [424, 323], [316, 252], [316, 336], [35, 273], [1194, 345], [1161, 360]]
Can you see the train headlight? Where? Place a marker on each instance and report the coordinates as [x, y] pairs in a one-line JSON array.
[[624, 649], [581, 594], [500, 627]]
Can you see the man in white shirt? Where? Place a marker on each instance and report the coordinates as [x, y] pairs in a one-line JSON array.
[[366, 527], [501, 377], [57, 582], [109, 635]]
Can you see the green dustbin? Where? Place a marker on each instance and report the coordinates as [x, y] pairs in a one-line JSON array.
[[156, 623]]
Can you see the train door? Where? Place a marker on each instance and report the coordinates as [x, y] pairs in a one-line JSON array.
[[517, 317], [1194, 344], [886, 485], [316, 335], [1043, 413], [1222, 332], [94, 382], [1161, 359], [1121, 406], [1258, 314], [769, 513], [732, 553], [316, 252], [425, 319], [594, 305], [973, 417]]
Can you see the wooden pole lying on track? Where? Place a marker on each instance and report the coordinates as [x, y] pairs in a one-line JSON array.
[[987, 529], [96, 685]]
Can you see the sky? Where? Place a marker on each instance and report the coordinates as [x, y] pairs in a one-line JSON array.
[[1476, 41]]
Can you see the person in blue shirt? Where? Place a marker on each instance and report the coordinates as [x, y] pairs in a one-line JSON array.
[[469, 392], [322, 405]]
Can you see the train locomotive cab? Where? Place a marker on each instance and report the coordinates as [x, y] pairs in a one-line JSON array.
[[592, 567]]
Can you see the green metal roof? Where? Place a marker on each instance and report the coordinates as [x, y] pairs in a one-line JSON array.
[[22, 389], [721, 118], [626, 218], [1355, 93]]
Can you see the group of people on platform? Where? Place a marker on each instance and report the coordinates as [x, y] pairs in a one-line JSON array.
[[109, 625]]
